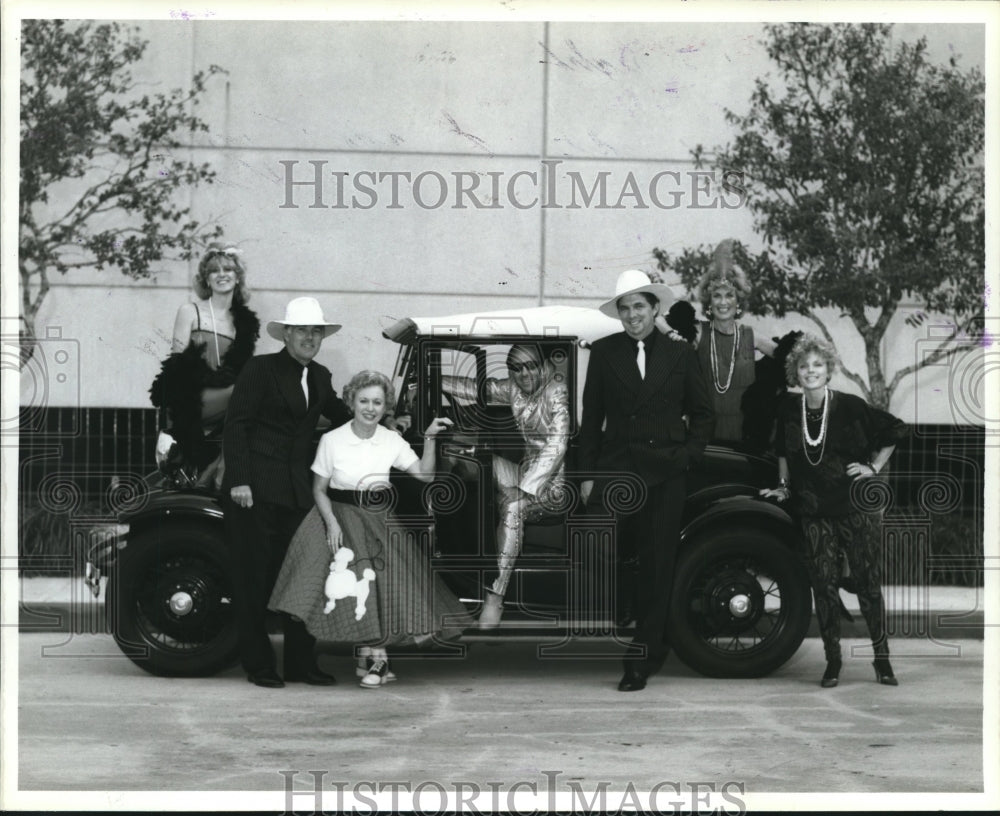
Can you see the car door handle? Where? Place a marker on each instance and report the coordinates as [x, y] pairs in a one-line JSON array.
[[455, 450]]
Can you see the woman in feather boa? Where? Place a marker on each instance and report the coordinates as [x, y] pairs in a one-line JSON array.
[[214, 336]]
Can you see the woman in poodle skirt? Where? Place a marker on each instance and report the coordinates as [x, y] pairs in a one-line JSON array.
[[404, 602]]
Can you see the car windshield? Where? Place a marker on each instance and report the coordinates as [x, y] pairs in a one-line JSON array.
[[467, 381]]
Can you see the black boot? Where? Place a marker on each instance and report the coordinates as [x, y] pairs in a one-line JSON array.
[[832, 674], [883, 672]]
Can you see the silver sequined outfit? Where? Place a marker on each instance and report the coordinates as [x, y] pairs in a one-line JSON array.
[[542, 418]]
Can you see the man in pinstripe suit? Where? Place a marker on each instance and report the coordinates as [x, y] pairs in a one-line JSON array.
[[267, 489], [647, 411]]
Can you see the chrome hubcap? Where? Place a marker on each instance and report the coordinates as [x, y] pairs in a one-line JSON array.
[[181, 603], [739, 606]]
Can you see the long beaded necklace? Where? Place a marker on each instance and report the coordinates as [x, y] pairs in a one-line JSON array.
[[215, 334], [821, 438], [720, 387], [211, 309]]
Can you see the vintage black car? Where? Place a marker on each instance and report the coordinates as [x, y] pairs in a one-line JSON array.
[[740, 603]]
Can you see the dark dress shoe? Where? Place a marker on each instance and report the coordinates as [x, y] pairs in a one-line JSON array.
[[313, 677], [267, 679], [634, 679]]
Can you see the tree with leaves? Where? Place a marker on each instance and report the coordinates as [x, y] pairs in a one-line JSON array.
[[100, 163], [863, 166]]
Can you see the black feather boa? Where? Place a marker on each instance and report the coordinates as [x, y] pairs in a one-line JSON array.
[[760, 400], [176, 391]]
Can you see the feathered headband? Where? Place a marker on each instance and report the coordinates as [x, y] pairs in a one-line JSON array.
[[229, 250], [722, 271]]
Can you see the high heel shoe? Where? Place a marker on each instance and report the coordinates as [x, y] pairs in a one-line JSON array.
[[489, 618], [832, 674], [883, 672]]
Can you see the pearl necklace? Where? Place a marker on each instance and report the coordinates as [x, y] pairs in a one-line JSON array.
[[821, 439], [215, 333], [720, 387]]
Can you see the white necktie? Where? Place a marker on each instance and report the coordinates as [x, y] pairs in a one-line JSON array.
[[640, 359], [305, 384]]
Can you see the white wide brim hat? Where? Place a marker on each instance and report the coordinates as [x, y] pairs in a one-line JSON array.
[[633, 281], [303, 311]]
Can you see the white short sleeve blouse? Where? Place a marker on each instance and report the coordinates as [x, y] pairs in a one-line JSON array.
[[351, 463]]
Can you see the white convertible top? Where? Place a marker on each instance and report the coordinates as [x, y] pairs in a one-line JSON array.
[[538, 321]]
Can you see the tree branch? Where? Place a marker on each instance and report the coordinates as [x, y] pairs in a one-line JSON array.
[[820, 110], [946, 349], [29, 304], [82, 121]]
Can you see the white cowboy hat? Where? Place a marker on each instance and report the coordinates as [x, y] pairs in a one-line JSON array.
[[303, 311], [632, 281]]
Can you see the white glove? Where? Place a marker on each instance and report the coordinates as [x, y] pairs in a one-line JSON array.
[[164, 442]]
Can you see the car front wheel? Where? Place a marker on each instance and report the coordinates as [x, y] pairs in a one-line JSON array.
[[170, 601], [741, 604]]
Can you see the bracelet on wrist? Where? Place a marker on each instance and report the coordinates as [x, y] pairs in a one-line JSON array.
[[872, 466]]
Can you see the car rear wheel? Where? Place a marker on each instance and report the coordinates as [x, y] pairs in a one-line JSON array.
[[741, 605], [170, 598]]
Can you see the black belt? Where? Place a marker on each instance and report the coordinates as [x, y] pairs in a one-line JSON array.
[[360, 498]]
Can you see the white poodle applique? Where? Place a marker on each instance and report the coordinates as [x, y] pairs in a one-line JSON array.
[[341, 583]]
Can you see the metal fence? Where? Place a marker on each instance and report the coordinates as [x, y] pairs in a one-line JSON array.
[[70, 458], [938, 469], [79, 467]]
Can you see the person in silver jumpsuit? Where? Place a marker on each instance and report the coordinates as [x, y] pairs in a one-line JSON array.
[[539, 401]]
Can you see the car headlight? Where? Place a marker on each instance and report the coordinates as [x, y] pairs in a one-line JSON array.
[[108, 534]]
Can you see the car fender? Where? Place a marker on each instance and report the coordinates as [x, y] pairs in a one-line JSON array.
[[741, 511], [173, 504], [159, 507]]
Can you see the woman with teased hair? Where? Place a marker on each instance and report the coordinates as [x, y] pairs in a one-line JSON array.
[[828, 444], [403, 601], [214, 335], [726, 347]]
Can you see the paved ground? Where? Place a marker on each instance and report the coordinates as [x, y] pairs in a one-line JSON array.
[[55, 603], [91, 721]]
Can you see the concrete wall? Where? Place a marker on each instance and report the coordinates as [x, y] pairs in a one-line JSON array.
[[442, 98]]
